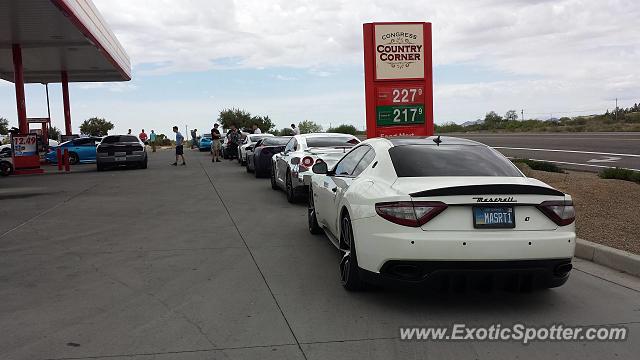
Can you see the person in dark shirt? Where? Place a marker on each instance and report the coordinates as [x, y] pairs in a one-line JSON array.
[[215, 143], [233, 138]]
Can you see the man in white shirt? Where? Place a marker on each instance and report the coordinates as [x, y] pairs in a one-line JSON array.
[[256, 129], [296, 131]]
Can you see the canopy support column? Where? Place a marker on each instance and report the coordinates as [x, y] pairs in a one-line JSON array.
[[18, 79], [65, 100]]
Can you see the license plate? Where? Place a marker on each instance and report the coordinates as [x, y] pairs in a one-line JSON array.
[[121, 158], [493, 217], [120, 153]]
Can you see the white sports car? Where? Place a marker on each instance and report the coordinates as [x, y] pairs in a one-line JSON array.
[[249, 139], [443, 211], [301, 152]]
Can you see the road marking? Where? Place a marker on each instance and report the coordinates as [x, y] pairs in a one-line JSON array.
[[579, 164], [566, 151], [606, 159]]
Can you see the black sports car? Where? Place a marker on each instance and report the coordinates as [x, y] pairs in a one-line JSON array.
[[260, 162]]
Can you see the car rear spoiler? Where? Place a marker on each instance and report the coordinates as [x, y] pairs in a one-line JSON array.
[[492, 189], [328, 149]]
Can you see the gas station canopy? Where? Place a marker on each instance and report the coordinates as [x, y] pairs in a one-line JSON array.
[[58, 36]]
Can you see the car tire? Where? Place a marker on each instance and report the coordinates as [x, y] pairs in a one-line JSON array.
[[314, 227], [258, 173], [349, 270], [6, 168], [289, 190], [99, 167], [249, 170], [143, 165], [274, 184], [74, 159]]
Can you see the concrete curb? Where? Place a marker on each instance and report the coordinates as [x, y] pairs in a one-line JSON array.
[[608, 256]]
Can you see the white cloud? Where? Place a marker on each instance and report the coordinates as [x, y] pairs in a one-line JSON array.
[[584, 50], [285, 77]]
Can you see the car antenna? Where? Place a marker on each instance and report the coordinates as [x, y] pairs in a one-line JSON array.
[[437, 140]]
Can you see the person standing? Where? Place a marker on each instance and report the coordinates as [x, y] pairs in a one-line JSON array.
[[215, 143], [256, 129], [143, 137], [296, 131], [233, 140], [129, 132], [152, 140], [194, 140], [179, 146]]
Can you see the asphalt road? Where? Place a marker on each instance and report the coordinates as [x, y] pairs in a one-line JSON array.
[[207, 262], [582, 151]]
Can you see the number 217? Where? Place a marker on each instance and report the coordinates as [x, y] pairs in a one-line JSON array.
[[403, 115]]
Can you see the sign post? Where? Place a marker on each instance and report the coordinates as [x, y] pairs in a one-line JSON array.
[[398, 79]]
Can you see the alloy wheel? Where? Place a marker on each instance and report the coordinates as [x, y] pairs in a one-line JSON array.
[[346, 237]]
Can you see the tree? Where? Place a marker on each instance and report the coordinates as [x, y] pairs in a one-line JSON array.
[[4, 126], [282, 132], [238, 118], [511, 115], [308, 126], [264, 123], [344, 129], [54, 133], [96, 127], [492, 120]]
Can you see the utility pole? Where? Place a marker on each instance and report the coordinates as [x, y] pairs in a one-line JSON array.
[[522, 113], [616, 109]]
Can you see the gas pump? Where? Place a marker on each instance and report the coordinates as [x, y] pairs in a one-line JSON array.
[[42, 133]]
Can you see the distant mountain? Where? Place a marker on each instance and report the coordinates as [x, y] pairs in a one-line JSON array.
[[469, 123]]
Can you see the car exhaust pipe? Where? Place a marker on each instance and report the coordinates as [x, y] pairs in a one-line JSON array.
[[562, 269], [408, 272]]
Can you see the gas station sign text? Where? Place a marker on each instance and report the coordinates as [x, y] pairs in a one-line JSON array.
[[398, 79], [399, 51]]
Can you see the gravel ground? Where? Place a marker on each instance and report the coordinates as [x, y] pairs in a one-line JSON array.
[[608, 211]]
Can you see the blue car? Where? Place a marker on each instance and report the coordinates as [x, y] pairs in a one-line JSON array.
[[81, 150], [205, 143]]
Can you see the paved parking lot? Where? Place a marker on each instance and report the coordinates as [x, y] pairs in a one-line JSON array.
[[207, 262]]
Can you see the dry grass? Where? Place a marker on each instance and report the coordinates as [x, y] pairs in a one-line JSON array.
[[608, 210]]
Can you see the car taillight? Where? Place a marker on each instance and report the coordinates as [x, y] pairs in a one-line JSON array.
[[410, 213], [560, 212], [307, 161]]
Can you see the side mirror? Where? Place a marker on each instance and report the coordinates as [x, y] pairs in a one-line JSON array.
[[320, 168]]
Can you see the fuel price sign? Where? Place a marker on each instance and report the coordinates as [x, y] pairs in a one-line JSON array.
[[398, 78], [400, 105]]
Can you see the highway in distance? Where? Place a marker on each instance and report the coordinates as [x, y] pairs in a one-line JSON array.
[[580, 151]]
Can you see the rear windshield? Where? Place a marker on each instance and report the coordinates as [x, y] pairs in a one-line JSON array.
[[255, 138], [272, 141], [332, 141], [450, 160], [119, 139]]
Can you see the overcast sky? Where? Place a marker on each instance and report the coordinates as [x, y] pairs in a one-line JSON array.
[[296, 60]]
